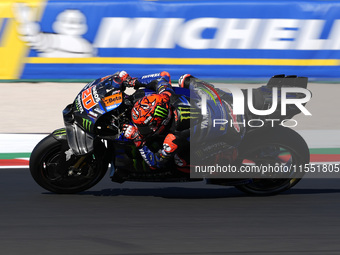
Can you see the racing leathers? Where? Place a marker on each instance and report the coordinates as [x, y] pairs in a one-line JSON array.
[[187, 125]]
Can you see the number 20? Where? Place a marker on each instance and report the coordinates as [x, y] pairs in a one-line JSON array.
[[87, 99]]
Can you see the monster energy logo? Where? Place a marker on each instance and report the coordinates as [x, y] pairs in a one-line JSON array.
[[188, 113], [60, 132], [161, 112], [87, 124]]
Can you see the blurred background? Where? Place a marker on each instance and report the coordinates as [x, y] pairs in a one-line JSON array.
[[50, 49]]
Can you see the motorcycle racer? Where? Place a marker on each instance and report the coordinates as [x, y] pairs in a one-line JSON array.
[[177, 117], [75, 157]]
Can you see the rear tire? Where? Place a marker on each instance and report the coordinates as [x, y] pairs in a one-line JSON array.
[[271, 138], [53, 172]]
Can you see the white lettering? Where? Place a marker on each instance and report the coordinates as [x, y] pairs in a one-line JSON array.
[[257, 123], [126, 33], [262, 112], [168, 33], [297, 101], [279, 34], [310, 34], [283, 123], [219, 122], [166, 38], [237, 33], [191, 34]]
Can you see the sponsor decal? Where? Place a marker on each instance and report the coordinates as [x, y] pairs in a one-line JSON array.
[[187, 112], [151, 75], [95, 94], [60, 132], [93, 115], [66, 40], [161, 112], [78, 104], [146, 156], [87, 124], [263, 34], [88, 99], [61, 35], [99, 111], [113, 101], [147, 120]]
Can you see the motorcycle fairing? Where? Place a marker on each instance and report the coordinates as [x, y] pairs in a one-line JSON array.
[[78, 139], [94, 100], [59, 134]]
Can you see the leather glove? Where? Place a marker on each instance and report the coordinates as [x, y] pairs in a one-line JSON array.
[[132, 83], [132, 133], [121, 77]]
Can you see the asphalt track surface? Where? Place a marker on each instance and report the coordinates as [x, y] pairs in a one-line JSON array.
[[167, 218]]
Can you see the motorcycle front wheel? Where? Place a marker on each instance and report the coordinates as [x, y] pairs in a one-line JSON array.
[[279, 146], [55, 168]]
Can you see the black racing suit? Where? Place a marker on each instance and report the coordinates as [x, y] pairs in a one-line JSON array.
[[188, 128]]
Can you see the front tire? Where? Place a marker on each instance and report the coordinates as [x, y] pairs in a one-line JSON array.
[[55, 171], [258, 148]]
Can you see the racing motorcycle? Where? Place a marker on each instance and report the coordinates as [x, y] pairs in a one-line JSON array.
[[76, 157]]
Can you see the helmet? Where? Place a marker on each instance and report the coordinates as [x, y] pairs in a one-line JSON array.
[[151, 114]]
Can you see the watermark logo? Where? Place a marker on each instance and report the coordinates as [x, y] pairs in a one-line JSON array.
[[288, 96]]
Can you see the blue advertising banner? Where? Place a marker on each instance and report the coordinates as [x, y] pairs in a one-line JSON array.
[[60, 39]]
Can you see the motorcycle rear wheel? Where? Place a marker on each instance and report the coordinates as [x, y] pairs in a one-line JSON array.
[[281, 139], [54, 171]]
